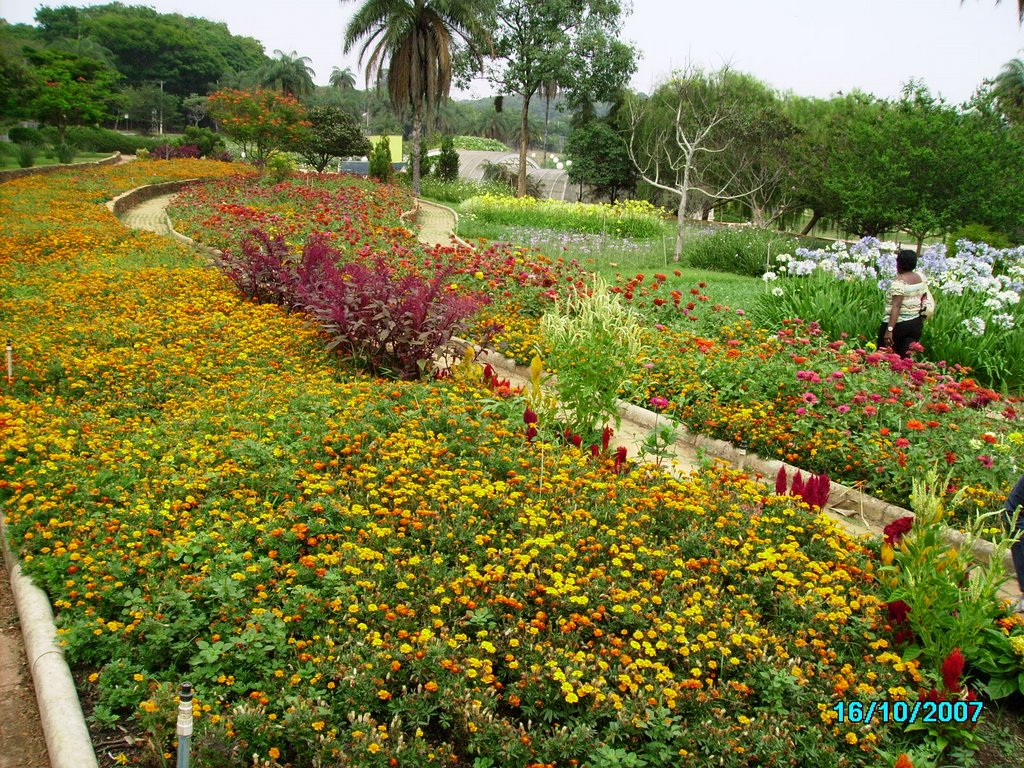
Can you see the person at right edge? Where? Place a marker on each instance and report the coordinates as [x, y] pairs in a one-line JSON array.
[[903, 321], [1014, 500]]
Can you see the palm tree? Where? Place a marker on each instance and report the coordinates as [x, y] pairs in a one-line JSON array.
[[1020, 8], [343, 79], [1008, 89], [289, 73], [413, 39]]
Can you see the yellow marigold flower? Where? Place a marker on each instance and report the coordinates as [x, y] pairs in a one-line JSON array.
[[1017, 643]]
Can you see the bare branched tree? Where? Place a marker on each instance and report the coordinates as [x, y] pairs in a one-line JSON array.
[[678, 139]]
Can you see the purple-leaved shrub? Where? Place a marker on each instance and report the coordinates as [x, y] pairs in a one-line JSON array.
[[389, 323], [263, 270]]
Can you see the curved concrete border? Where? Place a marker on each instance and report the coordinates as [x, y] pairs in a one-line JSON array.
[[68, 742], [19, 173], [843, 500], [133, 197], [455, 217]]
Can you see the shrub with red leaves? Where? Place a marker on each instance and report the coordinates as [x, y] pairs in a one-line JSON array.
[[262, 270], [388, 322]]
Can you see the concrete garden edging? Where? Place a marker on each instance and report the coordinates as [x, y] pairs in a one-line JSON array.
[[68, 743]]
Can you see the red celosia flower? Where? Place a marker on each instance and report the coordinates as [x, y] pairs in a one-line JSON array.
[[897, 612], [952, 668], [529, 417], [606, 436], [933, 695], [620, 458], [781, 482], [895, 530], [797, 488], [531, 432]]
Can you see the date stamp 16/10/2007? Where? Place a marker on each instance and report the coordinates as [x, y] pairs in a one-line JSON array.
[[937, 712]]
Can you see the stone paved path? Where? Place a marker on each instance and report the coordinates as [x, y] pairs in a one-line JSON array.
[[150, 215], [436, 223]]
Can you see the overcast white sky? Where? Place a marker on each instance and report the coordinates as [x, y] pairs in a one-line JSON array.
[[810, 47]]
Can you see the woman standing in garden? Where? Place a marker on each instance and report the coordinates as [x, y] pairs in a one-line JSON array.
[[903, 320], [1014, 500]]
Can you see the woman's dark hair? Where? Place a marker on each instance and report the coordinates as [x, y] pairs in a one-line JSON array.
[[906, 260]]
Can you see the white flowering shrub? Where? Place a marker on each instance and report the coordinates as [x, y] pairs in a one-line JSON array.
[[979, 322]]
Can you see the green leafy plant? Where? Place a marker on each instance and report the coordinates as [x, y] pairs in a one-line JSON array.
[[595, 343], [380, 160], [279, 167], [946, 600], [27, 152], [448, 161], [65, 151], [742, 250]]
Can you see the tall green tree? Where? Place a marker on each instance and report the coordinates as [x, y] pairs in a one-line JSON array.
[[571, 43], [1008, 90], [332, 133], [186, 53], [17, 83], [288, 73], [72, 90], [600, 159], [412, 41], [809, 159], [342, 79], [261, 122]]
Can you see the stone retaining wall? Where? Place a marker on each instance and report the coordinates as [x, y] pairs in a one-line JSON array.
[[139, 195], [17, 173]]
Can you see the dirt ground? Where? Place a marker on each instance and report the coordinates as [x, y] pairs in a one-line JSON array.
[[21, 736]]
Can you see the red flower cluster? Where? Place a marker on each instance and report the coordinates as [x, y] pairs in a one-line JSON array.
[[814, 490], [897, 529]]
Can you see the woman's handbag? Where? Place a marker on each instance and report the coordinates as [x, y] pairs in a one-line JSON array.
[[927, 302]]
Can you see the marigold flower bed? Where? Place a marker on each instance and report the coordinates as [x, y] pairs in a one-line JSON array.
[[355, 571]]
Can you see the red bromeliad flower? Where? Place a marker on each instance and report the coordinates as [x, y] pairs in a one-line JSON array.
[[895, 530], [952, 669]]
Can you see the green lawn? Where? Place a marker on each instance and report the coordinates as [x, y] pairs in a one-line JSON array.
[[613, 256], [8, 161]]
